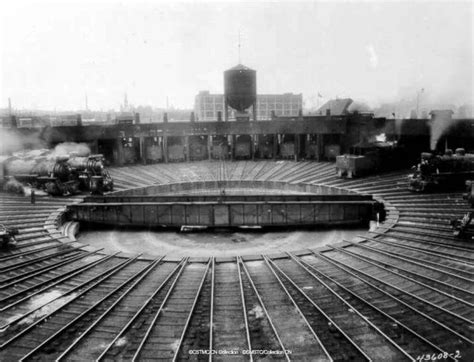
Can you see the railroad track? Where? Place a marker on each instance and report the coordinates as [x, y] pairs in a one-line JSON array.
[[400, 292]]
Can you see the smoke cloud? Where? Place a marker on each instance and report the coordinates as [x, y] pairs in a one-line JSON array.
[[66, 148], [11, 141], [359, 106]]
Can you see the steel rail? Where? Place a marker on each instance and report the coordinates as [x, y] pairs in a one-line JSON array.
[[8, 268], [108, 273], [157, 314], [68, 350], [386, 315], [446, 256], [87, 311], [445, 228], [323, 313], [211, 321], [179, 267], [33, 273], [422, 241], [59, 279], [344, 267], [269, 263], [257, 294], [377, 265], [372, 325], [28, 252], [188, 320], [244, 308], [402, 228], [407, 259], [436, 196]]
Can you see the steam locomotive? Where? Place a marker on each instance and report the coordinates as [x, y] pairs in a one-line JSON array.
[[447, 171], [91, 173], [56, 175]]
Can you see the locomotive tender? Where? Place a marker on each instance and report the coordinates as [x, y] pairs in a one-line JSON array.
[[449, 170], [366, 158]]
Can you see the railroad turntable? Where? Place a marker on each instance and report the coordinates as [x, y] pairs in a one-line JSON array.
[[222, 218], [398, 292]]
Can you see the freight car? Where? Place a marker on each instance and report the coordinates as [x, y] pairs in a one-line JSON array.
[[367, 158], [442, 172]]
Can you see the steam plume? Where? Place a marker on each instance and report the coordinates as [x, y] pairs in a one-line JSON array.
[[440, 122]]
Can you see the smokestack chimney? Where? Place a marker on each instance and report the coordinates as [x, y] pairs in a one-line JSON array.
[[9, 107], [165, 117]]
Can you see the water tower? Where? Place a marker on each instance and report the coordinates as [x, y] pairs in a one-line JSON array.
[[240, 92]]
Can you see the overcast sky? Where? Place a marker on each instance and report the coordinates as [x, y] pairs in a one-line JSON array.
[[52, 54]]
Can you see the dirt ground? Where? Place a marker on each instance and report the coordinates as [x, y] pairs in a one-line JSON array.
[[225, 243]]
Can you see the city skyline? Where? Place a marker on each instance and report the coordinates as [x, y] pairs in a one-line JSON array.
[[158, 53]]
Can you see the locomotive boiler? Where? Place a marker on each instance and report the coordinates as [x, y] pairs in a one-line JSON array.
[[446, 171]]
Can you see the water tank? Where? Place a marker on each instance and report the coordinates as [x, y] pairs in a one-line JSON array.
[[240, 87]]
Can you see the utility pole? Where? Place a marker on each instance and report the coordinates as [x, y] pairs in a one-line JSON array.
[[418, 94]]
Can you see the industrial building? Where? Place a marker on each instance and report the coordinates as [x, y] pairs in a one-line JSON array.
[[207, 106]]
